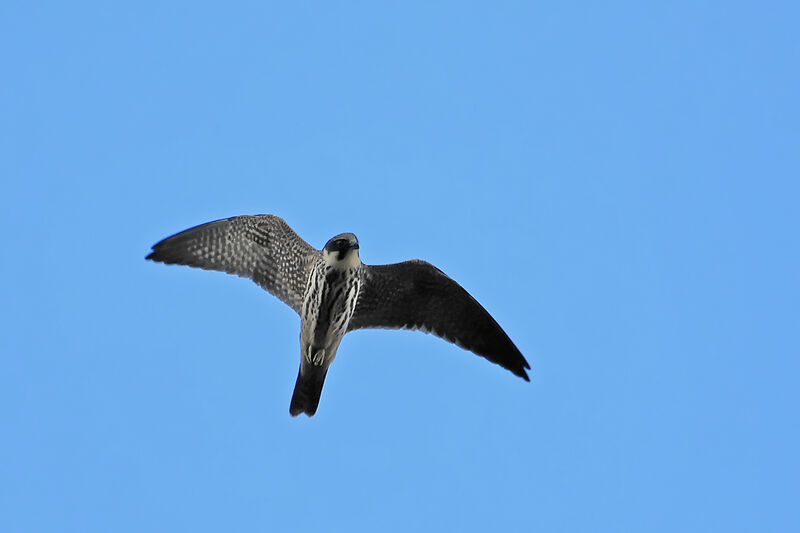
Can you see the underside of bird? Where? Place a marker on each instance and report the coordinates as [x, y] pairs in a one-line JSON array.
[[411, 295]]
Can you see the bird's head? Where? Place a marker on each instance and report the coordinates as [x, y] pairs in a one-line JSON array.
[[342, 251]]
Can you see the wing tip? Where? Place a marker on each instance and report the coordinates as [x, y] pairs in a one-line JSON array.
[[158, 254], [522, 373], [168, 257], [520, 365]]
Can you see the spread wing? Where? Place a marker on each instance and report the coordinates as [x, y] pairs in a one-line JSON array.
[[417, 295], [262, 247]]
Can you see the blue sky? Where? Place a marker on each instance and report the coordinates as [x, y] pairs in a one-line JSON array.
[[617, 183]]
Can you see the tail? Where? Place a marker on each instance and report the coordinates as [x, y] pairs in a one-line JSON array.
[[308, 389]]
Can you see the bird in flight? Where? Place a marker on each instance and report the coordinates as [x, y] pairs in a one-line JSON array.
[[335, 293]]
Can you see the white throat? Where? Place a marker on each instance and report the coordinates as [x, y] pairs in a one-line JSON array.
[[351, 260]]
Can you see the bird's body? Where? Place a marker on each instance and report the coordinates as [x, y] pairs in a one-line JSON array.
[[334, 293], [329, 302]]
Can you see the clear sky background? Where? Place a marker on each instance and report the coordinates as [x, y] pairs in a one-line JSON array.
[[617, 183]]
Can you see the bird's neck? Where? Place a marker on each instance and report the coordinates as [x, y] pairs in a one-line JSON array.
[[349, 261]]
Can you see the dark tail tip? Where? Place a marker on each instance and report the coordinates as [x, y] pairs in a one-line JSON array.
[[307, 390]]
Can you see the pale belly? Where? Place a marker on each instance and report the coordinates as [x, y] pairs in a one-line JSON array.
[[327, 310]]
